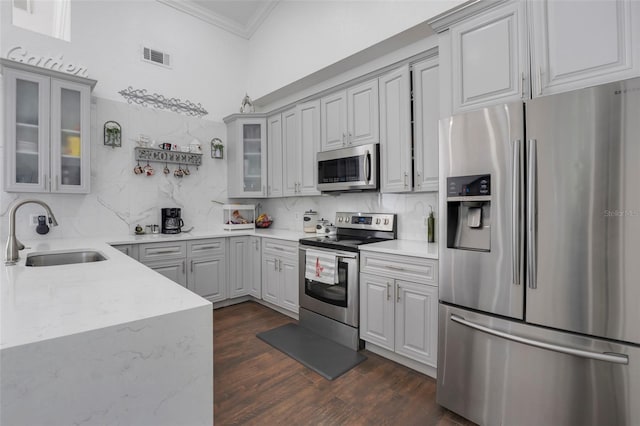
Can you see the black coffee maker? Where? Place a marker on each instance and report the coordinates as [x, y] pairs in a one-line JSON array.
[[171, 221]]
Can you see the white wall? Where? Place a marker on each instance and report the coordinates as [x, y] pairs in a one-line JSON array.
[[299, 38], [106, 36]]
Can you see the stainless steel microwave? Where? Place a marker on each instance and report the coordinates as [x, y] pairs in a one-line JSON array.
[[349, 169]]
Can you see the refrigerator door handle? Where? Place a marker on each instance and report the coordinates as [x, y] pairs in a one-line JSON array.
[[516, 213], [531, 214], [599, 356]]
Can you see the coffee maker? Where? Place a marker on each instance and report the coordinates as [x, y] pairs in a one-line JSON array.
[[171, 221]]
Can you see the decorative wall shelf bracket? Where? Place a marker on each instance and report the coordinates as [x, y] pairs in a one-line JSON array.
[[141, 97], [164, 156]]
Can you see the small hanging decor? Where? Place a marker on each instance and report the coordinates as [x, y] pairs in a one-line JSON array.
[[217, 148], [141, 97], [247, 105], [112, 134]]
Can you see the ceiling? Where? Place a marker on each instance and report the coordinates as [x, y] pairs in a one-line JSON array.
[[240, 17]]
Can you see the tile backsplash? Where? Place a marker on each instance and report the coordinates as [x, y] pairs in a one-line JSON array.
[[412, 209]]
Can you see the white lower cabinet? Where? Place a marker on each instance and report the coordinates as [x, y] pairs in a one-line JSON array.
[[399, 315], [280, 273], [199, 265], [174, 269], [244, 267], [255, 266]]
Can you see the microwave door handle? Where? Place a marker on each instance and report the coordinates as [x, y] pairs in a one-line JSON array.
[[367, 166]]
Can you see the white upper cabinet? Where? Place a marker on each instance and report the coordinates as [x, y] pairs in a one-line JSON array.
[[246, 156], [362, 113], [301, 141], [580, 44], [395, 131], [426, 113], [291, 151], [522, 49], [47, 131], [489, 58], [309, 131], [274, 156], [334, 120], [350, 117]]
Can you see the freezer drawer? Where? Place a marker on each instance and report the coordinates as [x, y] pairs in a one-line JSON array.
[[493, 380]]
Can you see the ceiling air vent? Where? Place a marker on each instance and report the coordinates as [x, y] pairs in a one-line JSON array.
[[156, 57]]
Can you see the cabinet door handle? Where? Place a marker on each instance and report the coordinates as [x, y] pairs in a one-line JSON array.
[[263, 190], [279, 265], [183, 262], [405, 179], [388, 291], [419, 179], [46, 183], [350, 139], [397, 293], [192, 266], [522, 82], [344, 138], [275, 264]]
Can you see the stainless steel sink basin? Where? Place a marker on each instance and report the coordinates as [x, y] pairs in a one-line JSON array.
[[64, 258]]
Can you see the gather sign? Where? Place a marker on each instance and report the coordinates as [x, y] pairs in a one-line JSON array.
[[20, 54]]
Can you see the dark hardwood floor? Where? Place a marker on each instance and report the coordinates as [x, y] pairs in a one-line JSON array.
[[257, 384]]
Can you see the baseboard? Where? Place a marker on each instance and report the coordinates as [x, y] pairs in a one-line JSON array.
[[229, 302], [407, 362], [283, 311]]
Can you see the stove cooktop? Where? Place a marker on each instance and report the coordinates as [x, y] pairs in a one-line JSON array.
[[355, 229], [337, 242]]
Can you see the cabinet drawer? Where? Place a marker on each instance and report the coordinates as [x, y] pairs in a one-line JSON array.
[[279, 247], [160, 251], [415, 269], [201, 248]]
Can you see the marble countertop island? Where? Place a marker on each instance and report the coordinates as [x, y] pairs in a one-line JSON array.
[[109, 342]]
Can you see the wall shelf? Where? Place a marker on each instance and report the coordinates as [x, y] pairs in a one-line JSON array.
[[166, 156]]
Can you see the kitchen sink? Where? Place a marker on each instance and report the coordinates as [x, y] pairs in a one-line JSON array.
[[64, 258]]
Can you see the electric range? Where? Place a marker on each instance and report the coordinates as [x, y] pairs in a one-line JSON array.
[[331, 309]]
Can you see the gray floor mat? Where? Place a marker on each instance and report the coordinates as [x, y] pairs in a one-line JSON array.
[[325, 357]]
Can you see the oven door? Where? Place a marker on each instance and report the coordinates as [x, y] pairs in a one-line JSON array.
[[348, 169], [338, 301]]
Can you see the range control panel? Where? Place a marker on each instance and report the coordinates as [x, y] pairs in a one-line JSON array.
[[370, 221], [469, 186]]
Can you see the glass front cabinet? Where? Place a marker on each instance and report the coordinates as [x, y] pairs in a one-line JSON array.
[[247, 155], [47, 125]]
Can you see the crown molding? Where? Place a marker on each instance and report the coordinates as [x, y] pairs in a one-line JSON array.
[[220, 21]]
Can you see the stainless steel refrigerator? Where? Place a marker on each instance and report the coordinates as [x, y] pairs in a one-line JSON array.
[[539, 315]]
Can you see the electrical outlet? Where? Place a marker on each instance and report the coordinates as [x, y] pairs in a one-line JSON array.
[[33, 219]]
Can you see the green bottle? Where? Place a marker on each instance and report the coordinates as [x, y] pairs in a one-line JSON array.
[[431, 224]]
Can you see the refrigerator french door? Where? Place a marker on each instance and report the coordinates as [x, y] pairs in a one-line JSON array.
[[540, 260]]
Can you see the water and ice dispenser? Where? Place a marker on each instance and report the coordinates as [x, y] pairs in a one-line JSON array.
[[469, 212]]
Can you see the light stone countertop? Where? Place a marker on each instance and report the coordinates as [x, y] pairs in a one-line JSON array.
[[405, 248], [40, 303]]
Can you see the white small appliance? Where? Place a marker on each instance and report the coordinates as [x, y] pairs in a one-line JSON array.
[[309, 221]]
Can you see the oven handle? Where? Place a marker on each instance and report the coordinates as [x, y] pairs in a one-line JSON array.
[[339, 255]]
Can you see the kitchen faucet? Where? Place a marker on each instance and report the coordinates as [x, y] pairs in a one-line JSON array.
[[13, 245]]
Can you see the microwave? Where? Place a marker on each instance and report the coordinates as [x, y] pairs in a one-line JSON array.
[[349, 169]]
